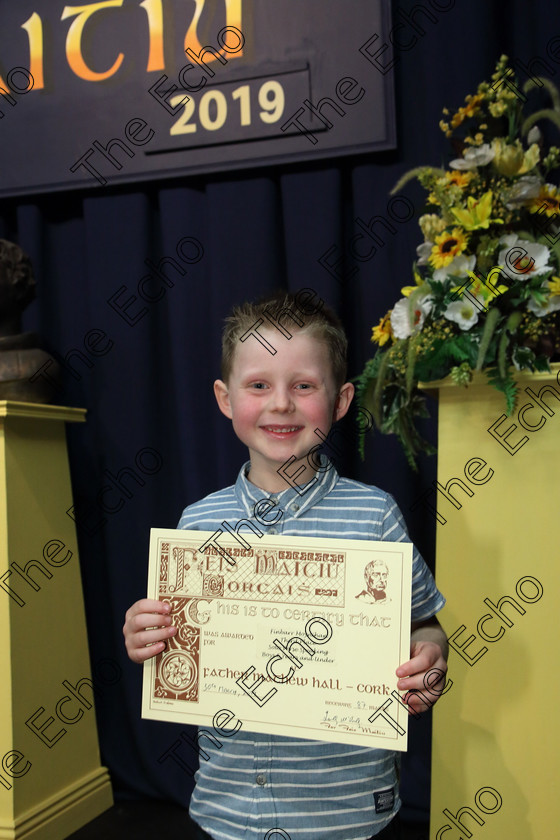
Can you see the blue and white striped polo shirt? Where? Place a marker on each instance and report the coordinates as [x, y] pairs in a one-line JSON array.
[[311, 790]]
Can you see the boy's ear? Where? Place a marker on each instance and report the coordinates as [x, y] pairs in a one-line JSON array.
[[343, 400], [222, 397]]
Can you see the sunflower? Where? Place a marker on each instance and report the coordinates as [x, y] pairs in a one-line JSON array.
[[554, 285], [549, 197], [447, 247], [459, 179], [383, 331]]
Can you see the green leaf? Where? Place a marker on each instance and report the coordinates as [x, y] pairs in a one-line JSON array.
[[414, 173], [487, 332], [524, 358], [411, 363], [377, 396], [511, 326], [365, 383], [539, 81], [506, 385], [444, 354], [542, 364], [545, 113]]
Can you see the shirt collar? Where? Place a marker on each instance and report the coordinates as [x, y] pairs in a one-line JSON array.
[[295, 501]]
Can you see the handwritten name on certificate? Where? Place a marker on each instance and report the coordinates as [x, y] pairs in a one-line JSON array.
[[295, 636]]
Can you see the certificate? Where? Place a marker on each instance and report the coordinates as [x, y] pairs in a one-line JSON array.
[[293, 636]]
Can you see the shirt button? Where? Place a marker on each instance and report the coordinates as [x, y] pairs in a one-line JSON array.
[[261, 779], [273, 498], [295, 508], [272, 531]]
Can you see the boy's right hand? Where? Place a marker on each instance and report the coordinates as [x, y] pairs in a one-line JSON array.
[[142, 643]]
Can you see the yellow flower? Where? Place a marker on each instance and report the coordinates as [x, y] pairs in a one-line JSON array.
[[459, 179], [407, 290], [530, 159], [510, 159], [478, 212], [547, 201], [431, 225], [447, 247], [383, 331], [497, 108], [480, 290], [554, 285], [492, 289], [470, 109]]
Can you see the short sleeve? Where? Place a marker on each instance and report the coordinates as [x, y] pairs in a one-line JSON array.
[[426, 597]]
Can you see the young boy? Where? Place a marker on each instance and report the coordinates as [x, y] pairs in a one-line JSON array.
[[279, 384]]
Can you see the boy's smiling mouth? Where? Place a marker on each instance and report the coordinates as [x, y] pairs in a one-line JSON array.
[[282, 431]]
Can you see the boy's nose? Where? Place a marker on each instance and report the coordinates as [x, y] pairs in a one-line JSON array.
[[282, 400]]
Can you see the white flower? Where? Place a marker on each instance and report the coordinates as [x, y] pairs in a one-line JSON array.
[[526, 188], [423, 251], [404, 320], [463, 312], [552, 304], [534, 135], [474, 156], [522, 259], [458, 267]]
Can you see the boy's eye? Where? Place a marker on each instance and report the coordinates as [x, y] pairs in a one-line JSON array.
[[258, 385], [305, 385]]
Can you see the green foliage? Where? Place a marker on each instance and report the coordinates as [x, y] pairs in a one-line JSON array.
[[487, 332], [461, 374], [506, 385], [418, 172], [443, 354]]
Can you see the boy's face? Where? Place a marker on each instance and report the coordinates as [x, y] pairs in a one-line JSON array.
[[277, 401]]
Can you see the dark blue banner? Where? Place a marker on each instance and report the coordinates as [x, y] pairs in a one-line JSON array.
[[122, 90]]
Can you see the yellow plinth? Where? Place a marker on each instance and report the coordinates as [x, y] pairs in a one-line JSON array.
[[496, 731], [51, 778]]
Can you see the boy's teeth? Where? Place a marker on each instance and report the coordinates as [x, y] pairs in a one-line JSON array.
[[282, 428]]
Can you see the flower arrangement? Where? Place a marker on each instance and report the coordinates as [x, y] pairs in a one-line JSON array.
[[486, 293]]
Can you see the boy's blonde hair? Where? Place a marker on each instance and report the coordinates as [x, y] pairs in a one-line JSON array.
[[288, 313]]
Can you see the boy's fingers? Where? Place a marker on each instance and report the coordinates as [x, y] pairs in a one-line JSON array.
[[417, 704], [148, 637], [147, 605], [430, 680], [422, 662], [147, 627], [148, 620], [142, 654], [410, 683], [140, 646], [417, 665]]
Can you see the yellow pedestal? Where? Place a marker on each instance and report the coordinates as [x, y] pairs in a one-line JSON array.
[[496, 731], [51, 779]]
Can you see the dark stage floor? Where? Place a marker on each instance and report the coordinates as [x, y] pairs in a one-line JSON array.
[[147, 819]]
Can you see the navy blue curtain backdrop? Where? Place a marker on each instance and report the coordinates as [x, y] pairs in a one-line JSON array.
[[145, 373]]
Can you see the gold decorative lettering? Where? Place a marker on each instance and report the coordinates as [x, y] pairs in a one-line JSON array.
[[154, 10], [34, 28], [233, 18], [74, 40]]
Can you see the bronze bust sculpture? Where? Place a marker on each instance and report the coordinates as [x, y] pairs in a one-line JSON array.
[[21, 356]]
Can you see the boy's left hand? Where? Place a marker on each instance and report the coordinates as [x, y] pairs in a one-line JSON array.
[[425, 672]]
